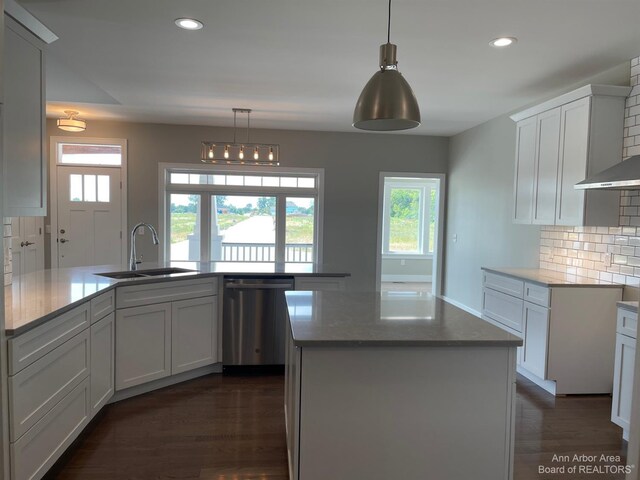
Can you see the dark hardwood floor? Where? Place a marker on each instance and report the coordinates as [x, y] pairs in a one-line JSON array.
[[232, 428]]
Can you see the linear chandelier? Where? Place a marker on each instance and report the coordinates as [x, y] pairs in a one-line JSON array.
[[240, 153]]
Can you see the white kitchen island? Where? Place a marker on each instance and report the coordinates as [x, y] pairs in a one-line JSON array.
[[396, 385]]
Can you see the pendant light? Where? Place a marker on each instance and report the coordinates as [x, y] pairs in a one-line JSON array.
[[387, 101], [233, 153]]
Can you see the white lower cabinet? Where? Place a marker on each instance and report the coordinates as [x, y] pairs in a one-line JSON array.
[[568, 331], [163, 339], [143, 344], [535, 334], [624, 371], [194, 333], [38, 449], [102, 362]]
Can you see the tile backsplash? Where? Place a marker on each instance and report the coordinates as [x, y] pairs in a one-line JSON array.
[[6, 233], [608, 253]]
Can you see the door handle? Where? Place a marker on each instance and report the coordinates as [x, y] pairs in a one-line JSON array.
[[26, 244], [22, 244], [63, 240]]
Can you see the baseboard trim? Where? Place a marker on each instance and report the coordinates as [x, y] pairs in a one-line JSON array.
[[461, 306], [406, 278], [165, 382]]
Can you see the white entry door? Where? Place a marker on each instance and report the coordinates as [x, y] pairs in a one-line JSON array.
[[89, 222], [27, 244]]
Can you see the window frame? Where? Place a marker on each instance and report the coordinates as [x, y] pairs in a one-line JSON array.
[[425, 250], [165, 189]]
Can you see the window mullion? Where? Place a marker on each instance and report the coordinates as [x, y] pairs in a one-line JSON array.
[[281, 227], [205, 227]]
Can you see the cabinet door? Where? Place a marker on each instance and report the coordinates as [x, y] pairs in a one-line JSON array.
[[102, 362], [623, 380], [194, 325], [24, 128], [574, 141], [536, 331], [524, 180], [143, 344], [546, 173]]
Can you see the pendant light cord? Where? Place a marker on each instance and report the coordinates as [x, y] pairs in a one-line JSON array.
[[389, 24]]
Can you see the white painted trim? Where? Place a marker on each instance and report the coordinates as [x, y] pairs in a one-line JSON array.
[[28, 21], [407, 278], [462, 306], [165, 382], [439, 233], [586, 91], [548, 385], [163, 198], [53, 187]]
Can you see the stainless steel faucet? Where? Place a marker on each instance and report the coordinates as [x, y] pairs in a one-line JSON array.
[[154, 237]]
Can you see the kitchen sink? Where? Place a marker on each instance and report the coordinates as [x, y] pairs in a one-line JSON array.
[[154, 272]]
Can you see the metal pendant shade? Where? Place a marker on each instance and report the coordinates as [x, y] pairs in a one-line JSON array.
[[387, 101]]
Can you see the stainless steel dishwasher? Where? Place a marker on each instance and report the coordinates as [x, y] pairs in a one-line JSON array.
[[254, 321]]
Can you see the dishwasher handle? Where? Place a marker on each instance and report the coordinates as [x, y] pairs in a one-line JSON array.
[[258, 286]]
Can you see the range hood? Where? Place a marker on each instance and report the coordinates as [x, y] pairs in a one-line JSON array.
[[622, 176]]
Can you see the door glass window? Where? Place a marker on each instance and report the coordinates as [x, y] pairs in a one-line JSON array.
[[75, 190], [299, 233], [184, 211]]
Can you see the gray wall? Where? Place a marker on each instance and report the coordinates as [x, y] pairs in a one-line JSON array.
[[480, 200], [352, 162], [393, 266]]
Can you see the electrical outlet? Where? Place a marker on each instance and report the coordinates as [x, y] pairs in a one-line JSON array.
[[47, 229]]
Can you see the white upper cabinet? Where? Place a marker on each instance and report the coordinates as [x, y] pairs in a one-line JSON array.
[[558, 144], [24, 123]]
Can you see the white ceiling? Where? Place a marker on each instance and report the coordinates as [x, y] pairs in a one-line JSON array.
[[301, 64]]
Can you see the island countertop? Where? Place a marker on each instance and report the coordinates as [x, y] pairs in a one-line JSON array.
[[37, 297], [386, 319]]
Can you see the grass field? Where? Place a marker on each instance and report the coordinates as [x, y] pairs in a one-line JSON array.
[[299, 228], [403, 234]]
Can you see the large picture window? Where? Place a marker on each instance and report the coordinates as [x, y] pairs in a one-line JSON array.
[[257, 214], [409, 217]]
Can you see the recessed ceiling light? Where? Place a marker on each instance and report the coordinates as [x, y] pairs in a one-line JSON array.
[[189, 23], [503, 41]]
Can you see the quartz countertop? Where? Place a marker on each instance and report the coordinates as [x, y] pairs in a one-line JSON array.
[[631, 306], [550, 278], [34, 298], [386, 319]]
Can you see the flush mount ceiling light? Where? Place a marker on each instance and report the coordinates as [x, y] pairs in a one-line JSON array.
[[503, 41], [71, 123], [189, 23], [236, 153], [387, 101]]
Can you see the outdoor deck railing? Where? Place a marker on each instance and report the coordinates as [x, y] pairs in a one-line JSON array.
[[266, 252]]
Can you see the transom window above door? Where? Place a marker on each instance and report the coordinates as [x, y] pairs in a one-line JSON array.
[[89, 154], [254, 214]]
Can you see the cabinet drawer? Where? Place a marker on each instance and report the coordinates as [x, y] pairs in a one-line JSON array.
[[627, 323], [40, 447], [502, 308], [103, 305], [162, 292], [537, 294], [37, 388], [34, 344], [504, 284]]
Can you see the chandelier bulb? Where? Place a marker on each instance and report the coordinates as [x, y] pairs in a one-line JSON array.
[[211, 152], [255, 154], [241, 154], [226, 151], [271, 153]]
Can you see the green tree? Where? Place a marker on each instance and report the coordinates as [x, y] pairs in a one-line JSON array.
[[266, 205], [404, 203]]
